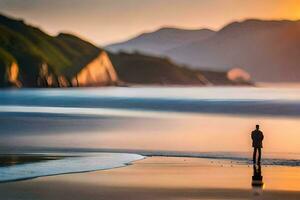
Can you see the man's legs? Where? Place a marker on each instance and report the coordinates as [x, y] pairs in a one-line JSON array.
[[259, 155], [254, 155]]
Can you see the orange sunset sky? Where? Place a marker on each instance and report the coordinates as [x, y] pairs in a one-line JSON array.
[[107, 21]]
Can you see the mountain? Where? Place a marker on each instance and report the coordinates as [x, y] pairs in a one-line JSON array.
[[268, 50], [162, 40], [31, 58]]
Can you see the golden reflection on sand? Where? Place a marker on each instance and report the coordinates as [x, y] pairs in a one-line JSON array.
[[163, 178]]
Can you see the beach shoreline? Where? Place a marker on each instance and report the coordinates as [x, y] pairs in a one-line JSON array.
[[162, 178]]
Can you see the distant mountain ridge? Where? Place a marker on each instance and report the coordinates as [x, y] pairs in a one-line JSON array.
[[161, 40], [268, 50]]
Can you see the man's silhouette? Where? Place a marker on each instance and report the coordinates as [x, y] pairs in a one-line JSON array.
[[257, 138]]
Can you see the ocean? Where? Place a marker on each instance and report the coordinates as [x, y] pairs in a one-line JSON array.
[[212, 122]]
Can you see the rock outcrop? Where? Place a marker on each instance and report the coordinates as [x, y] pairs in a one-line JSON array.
[[99, 72], [11, 76]]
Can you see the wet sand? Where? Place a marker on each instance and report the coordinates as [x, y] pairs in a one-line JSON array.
[[162, 178], [16, 159]]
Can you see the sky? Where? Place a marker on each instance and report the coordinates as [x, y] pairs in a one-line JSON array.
[[107, 21]]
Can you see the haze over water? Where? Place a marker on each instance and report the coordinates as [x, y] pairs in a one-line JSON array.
[[208, 119]]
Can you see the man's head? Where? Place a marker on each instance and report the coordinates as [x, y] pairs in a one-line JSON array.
[[257, 127]]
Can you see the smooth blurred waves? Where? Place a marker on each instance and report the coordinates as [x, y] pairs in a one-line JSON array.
[[174, 119]]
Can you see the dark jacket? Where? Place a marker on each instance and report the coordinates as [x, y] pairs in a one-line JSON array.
[[257, 138]]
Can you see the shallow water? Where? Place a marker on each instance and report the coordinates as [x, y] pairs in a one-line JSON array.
[[72, 163], [201, 120]]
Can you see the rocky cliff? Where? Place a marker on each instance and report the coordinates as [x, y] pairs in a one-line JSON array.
[[31, 58]]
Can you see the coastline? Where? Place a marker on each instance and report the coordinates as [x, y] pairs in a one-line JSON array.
[[162, 178]]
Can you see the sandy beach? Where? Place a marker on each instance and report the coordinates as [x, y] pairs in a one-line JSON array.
[[162, 178]]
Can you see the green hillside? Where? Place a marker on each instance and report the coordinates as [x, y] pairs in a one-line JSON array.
[[30, 47]]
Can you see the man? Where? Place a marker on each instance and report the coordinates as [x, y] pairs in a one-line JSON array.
[[257, 138]]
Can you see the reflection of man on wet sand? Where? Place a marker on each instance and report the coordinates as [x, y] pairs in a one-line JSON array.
[[257, 138], [257, 179]]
